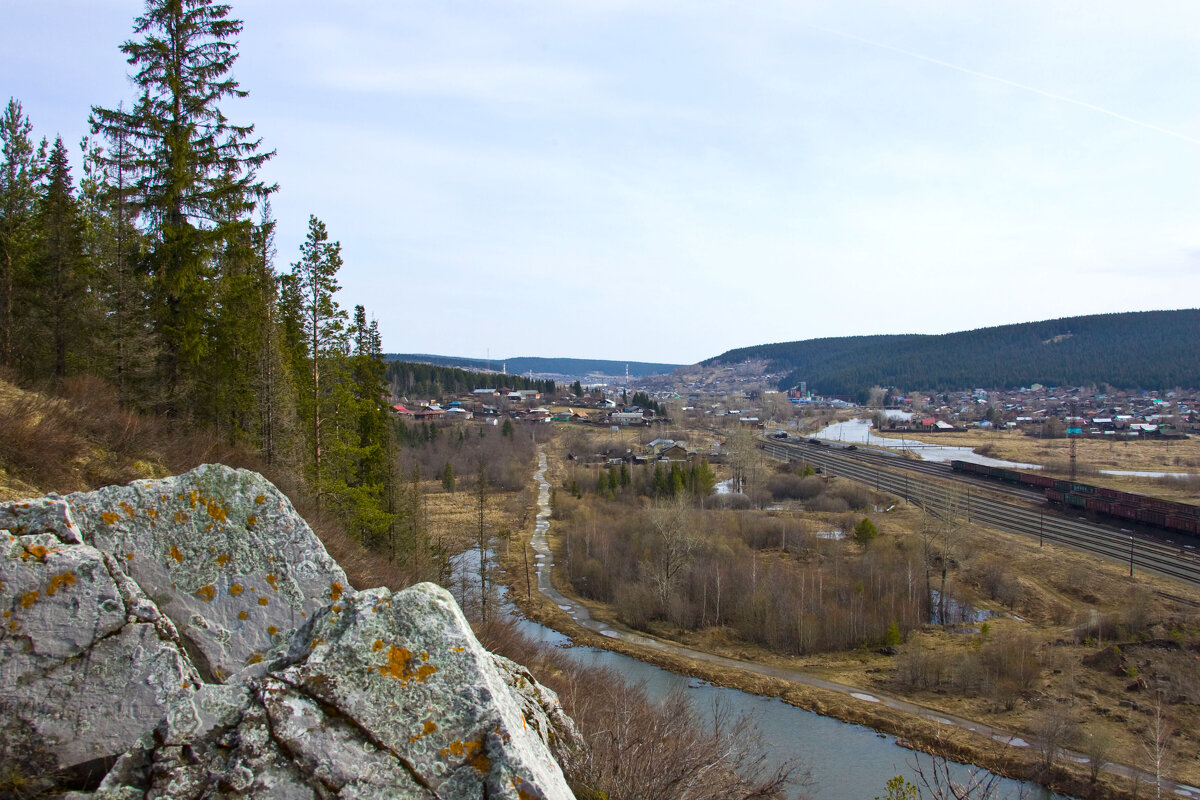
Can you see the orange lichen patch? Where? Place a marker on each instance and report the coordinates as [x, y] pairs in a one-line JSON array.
[[129, 556], [236, 589], [29, 598], [254, 659], [251, 520], [180, 516], [36, 551], [206, 593], [337, 608], [523, 792], [473, 751], [262, 498], [430, 727], [262, 601], [222, 560], [128, 509], [271, 580], [217, 511], [192, 497], [272, 630], [175, 554], [185, 685], [458, 649], [378, 645], [208, 527], [110, 518], [59, 581], [335, 592], [152, 513], [242, 615], [399, 659]]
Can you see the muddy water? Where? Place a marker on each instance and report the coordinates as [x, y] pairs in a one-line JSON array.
[[847, 762]]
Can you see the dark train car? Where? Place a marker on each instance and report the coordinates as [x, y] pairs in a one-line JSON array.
[[1041, 481], [1166, 514]]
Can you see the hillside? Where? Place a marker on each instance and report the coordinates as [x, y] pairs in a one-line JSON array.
[[1139, 350], [541, 367]]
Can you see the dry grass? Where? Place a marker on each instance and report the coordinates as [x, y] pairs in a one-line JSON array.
[[82, 439]]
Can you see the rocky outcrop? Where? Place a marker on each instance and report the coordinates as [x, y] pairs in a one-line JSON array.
[[196, 628]]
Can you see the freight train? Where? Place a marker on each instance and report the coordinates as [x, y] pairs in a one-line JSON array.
[[1155, 511]]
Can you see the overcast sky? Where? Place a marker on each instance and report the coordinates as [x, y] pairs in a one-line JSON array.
[[663, 181]]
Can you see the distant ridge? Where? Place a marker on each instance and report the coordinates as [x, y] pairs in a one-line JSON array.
[[572, 367], [1135, 350]]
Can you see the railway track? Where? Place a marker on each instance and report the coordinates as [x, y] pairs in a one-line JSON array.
[[937, 469], [1139, 552]]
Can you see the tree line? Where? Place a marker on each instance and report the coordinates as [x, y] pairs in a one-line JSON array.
[[156, 272], [412, 379]]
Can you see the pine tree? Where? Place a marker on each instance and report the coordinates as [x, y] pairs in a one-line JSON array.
[[20, 179], [196, 172], [310, 293]]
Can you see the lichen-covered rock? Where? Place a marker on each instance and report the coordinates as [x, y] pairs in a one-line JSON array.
[[222, 552], [196, 628], [389, 696], [87, 664]]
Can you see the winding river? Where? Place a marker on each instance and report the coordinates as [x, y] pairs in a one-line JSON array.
[[847, 762]]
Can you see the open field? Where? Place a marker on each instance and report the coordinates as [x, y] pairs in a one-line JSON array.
[[1098, 641]]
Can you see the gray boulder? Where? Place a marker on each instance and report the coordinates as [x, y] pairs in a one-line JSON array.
[[389, 697], [87, 662]]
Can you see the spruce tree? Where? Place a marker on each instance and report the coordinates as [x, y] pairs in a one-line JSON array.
[[20, 180], [196, 172], [126, 346], [59, 284]]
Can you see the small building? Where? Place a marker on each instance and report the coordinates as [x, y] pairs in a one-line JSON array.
[[676, 452]]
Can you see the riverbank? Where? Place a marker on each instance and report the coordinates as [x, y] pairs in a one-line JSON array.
[[928, 729]]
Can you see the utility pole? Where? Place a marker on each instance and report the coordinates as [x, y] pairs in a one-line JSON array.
[[1071, 436]]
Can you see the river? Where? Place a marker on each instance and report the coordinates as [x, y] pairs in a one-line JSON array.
[[858, 431], [847, 762]]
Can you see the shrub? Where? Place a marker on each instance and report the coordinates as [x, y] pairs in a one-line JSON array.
[[865, 531]]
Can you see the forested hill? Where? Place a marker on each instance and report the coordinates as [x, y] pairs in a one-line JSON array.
[[571, 367], [1138, 350]]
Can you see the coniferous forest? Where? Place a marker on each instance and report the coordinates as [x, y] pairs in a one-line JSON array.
[[1136, 350], [150, 263]]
